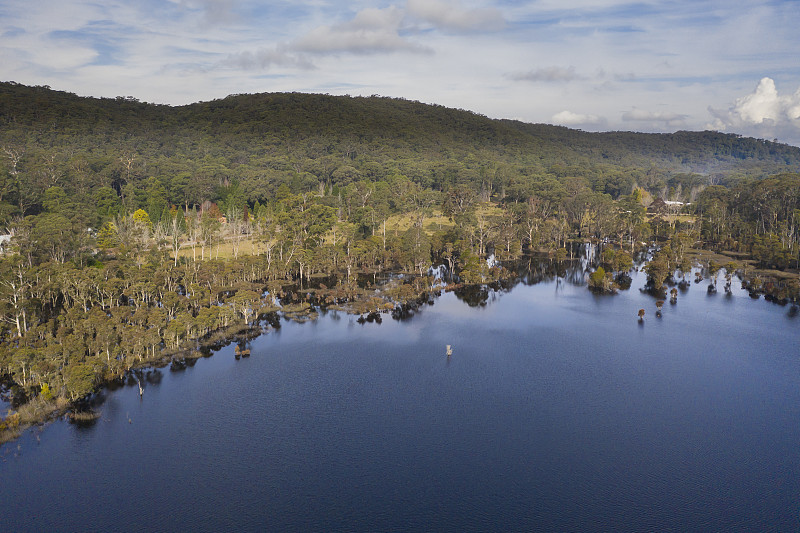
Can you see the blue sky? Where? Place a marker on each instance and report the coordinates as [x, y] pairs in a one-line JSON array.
[[598, 65]]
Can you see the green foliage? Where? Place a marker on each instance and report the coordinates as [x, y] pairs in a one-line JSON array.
[[596, 278], [107, 203], [601, 281], [79, 380], [54, 199], [473, 270], [416, 250], [108, 236], [10, 422], [608, 256], [45, 393], [623, 262], [770, 252], [657, 272], [142, 220], [156, 200], [643, 232]]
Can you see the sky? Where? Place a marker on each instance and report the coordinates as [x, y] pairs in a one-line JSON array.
[[656, 66]]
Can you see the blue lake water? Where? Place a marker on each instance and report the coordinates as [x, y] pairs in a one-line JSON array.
[[558, 410]]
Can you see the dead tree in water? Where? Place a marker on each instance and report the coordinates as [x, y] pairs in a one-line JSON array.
[[139, 383]]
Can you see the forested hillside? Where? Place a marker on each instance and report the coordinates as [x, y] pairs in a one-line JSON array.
[[140, 230], [316, 142]]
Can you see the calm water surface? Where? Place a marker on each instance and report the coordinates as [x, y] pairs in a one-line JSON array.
[[556, 411]]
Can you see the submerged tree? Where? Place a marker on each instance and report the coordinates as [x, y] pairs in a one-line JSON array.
[[602, 281]]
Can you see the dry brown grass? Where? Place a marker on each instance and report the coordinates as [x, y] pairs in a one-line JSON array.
[[650, 217], [84, 416], [432, 222], [39, 409], [222, 251], [749, 266], [34, 412], [435, 220], [7, 435], [703, 256]]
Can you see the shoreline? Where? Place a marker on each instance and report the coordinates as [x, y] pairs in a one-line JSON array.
[[38, 411], [400, 300]]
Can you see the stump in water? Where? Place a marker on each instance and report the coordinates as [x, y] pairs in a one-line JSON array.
[[238, 351]]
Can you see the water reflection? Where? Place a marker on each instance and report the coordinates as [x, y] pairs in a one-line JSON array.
[[556, 411]]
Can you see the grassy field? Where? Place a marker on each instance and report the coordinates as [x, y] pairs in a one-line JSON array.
[[672, 218], [433, 221], [748, 266], [224, 250]]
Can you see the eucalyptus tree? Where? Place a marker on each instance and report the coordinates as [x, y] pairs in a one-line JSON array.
[[15, 293], [658, 270], [209, 232]]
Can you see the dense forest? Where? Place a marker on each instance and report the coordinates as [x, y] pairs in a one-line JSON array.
[[139, 231]]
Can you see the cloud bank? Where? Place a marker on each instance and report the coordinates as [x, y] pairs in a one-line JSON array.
[[568, 118], [452, 17], [548, 74], [266, 58], [654, 117], [372, 31]]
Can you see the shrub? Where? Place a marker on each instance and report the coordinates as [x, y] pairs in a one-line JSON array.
[[46, 393]]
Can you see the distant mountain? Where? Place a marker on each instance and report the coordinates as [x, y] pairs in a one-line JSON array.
[[302, 139]]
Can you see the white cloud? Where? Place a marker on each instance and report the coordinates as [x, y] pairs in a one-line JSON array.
[[205, 13], [762, 113], [371, 31], [450, 16], [568, 118], [216, 12], [265, 58], [763, 105], [640, 115], [548, 74]]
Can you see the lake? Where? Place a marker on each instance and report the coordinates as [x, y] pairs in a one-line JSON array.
[[557, 410]]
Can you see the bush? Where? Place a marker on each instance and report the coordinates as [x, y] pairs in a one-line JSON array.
[[79, 380], [596, 278], [46, 393], [601, 281], [11, 422]]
